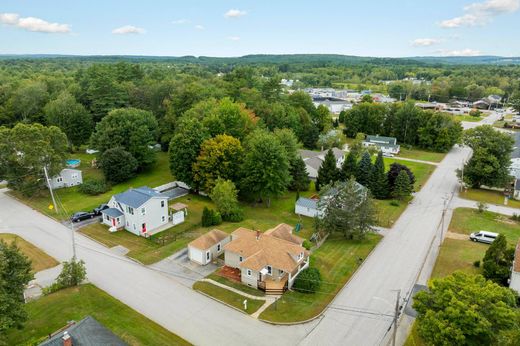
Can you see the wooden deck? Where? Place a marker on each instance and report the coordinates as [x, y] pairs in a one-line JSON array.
[[270, 286]]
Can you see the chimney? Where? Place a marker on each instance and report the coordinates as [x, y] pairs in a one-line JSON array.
[[67, 340], [257, 234]]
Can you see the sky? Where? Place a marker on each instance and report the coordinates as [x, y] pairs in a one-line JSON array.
[[382, 28]]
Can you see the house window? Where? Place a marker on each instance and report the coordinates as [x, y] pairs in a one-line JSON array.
[[269, 270], [218, 247], [130, 210], [59, 180], [281, 272], [162, 204], [117, 220], [107, 217], [240, 259], [134, 226], [162, 218], [143, 211], [207, 256], [249, 272], [74, 176]]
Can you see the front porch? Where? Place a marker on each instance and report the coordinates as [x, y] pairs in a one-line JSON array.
[[273, 286]]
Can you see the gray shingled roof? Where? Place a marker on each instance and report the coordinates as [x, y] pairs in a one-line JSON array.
[[87, 332], [113, 212], [137, 197], [381, 140], [307, 203]]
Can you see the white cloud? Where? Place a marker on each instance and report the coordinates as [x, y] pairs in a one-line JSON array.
[[181, 21], [199, 27], [425, 42], [462, 52], [481, 13], [33, 24], [234, 38], [234, 13], [128, 29]]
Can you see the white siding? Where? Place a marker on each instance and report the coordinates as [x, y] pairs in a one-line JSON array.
[[310, 212], [196, 255], [515, 282]]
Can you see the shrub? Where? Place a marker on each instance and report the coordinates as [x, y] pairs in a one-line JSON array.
[[307, 244], [235, 216], [72, 274], [210, 217], [94, 187], [118, 165], [482, 207], [308, 281], [515, 217], [476, 264], [394, 203]]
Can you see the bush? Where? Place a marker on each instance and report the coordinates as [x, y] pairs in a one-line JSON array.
[[118, 165], [235, 216], [515, 217], [482, 207], [210, 217], [94, 187], [308, 281], [476, 264], [307, 244], [394, 203], [72, 274], [475, 113]]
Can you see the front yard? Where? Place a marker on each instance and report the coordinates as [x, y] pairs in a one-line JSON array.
[[52, 312], [39, 259], [231, 298], [419, 154], [489, 196], [337, 260]]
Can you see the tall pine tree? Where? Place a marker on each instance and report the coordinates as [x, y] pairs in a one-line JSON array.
[[379, 180], [300, 176], [403, 186], [364, 170], [349, 167], [328, 173]]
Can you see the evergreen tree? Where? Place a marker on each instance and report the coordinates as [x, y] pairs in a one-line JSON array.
[[300, 176], [328, 173], [379, 180], [497, 261], [402, 188], [349, 167], [364, 170]]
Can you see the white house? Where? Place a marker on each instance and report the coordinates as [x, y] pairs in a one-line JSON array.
[[307, 207], [516, 189], [514, 282], [314, 159], [68, 177], [208, 247], [514, 169], [388, 145], [142, 211]]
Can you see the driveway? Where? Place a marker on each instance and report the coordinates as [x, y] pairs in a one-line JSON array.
[[182, 269]]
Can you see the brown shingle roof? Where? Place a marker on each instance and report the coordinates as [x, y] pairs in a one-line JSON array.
[[266, 250], [516, 263], [178, 206], [209, 239], [284, 231]]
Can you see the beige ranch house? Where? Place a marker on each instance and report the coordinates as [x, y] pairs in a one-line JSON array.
[[208, 247], [270, 261]]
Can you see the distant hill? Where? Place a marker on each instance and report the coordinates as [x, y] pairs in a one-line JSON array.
[[325, 59]]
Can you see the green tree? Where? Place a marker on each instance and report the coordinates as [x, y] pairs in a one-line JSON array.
[[265, 170], [133, 129], [379, 179], [498, 260], [71, 117], [72, 274], [393, 173], [118, 165], [308, 281], [25, 150], [15, 274], [328, 173], [402, 187], [347, 208], [349, 166], [439, 132], [515, 101], [219, 157], [300, 177], [27, 102], [490, 162], [184, 148], [364, 170], [224, 195], [463, 309]]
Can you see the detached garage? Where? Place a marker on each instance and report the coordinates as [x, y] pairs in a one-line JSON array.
[[208, 247]]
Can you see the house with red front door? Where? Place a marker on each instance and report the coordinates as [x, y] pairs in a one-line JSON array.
[[142, 211]]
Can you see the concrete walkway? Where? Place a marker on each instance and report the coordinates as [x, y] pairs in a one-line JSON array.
[[499, 209], [268, 299], [415, 160]]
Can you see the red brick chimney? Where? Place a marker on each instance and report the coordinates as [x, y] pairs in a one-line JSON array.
[[67, 340]]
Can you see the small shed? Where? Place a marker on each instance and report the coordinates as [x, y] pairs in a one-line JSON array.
[[208, 246], [178, 213], [306, 206]]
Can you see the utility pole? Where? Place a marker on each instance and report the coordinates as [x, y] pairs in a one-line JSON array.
[[396, 317], [73, 239], [50, 188], [444, 208]]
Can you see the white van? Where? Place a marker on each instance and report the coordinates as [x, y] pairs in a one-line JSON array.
[[483, 237]]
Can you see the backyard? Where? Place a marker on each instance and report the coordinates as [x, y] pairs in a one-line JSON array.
[[39, 259], [52, 312], [337, 259]]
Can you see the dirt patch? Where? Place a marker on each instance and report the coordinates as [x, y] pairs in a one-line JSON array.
[[457, 236]]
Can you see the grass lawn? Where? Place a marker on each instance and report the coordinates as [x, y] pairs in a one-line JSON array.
[[73, 200], [236, 285], [467, 117], [422, 171], [418, 154], [52, 312], [40, 260], [413, 338], [467, 220], [228, 297], [337, 260], [489, 196], [458, 255], [387, 214]]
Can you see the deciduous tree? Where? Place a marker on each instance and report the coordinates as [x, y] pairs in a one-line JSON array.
[[118, 165]]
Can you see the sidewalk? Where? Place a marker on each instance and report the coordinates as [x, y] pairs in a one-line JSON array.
[[500, 209], [415, 160]]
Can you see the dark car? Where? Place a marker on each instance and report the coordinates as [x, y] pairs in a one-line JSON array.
[[81, 215], [97, 211]]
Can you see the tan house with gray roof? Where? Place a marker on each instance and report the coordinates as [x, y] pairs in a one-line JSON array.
[[270, 261]]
